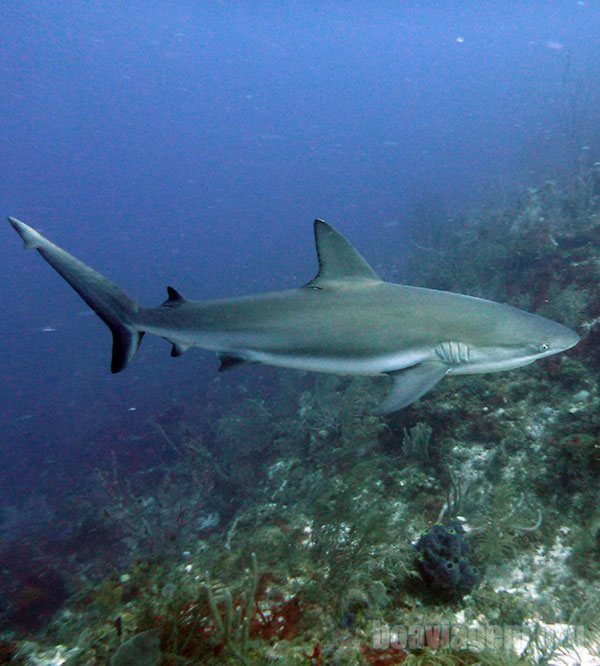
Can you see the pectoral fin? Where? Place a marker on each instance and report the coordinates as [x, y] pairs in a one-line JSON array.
[[410, 384]]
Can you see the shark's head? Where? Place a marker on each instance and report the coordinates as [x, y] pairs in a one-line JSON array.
[[547, 338], [519, 338]]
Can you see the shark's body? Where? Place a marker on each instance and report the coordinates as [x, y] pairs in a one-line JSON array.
[[346, 321]]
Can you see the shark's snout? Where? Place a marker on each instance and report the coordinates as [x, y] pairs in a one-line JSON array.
[[567, 338], [557, 337]]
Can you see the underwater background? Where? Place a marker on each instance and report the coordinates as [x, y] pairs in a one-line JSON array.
[[170, 515]]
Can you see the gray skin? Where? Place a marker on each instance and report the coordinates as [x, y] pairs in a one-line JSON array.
[[345, 321]]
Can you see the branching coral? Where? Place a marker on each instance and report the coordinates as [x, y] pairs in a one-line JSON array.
[[496, 532], [415, 444], [320, 409], [348, 530], [447, 657], [233, 623]]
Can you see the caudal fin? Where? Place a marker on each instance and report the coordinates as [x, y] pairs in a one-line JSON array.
[[111, 304]]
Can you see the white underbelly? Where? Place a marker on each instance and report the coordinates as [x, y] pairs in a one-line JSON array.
[[374, 365]]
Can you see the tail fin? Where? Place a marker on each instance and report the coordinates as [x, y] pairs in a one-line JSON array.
[[111, 304]]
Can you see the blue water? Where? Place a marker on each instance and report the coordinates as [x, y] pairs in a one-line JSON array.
[[192, 144]]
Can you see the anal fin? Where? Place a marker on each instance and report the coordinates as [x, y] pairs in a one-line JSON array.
[[178, 349], [410, 384], [230, 361]]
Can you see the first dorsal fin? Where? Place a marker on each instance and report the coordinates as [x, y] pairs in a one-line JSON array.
[[338, 259], [175, 298]]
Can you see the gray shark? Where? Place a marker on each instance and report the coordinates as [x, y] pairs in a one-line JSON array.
[[346, 321]]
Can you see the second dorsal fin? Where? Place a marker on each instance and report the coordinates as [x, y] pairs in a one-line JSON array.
[[339, 261]]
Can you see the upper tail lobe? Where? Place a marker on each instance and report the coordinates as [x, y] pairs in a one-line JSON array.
[[111, 304]]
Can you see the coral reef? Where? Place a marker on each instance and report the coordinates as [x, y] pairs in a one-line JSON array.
[[143, 648]]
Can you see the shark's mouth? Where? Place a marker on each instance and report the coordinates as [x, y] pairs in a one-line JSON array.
[[491, 366]]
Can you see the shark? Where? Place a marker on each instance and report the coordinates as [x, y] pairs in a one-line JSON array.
[[346, 320]]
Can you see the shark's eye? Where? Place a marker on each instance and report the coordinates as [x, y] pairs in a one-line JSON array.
[[544, 347]]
